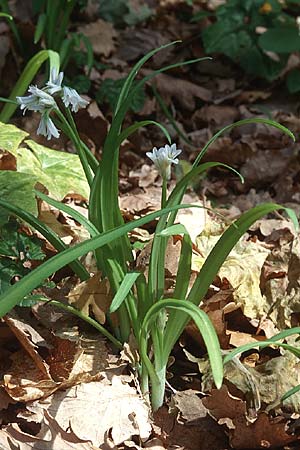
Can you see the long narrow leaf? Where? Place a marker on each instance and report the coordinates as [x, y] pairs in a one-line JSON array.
[[70, 211], [130, 130], [272, 123], [214, 262], [15, 293], [124, 289], [274, 340], [204, 325], [132, 74], [184, 267], [49, 234]]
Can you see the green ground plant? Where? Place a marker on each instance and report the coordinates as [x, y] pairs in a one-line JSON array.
[[144, 313], [258, 35]]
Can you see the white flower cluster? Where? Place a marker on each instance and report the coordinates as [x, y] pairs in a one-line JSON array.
[[163, 158], [43, 101]]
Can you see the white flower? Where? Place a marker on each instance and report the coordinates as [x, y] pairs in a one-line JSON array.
[[47, 127], [163, 158], [54, 83], [71, 97], [39, 100]]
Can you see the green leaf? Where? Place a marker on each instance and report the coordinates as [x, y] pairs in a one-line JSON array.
[[40, 27], [60, 172], [17, 189], [293, 81], [32, 280], [11, 138], [280, 40], [184, 268], [204, 325], [172, 230], [48, 233], [274, 340], [124, 289]]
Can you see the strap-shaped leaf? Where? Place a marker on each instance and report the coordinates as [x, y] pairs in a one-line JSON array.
[[215, 260], [49, 234], [70, 211], [204, 325], [15, 293], [274, 340], [143, 123], [124, 289]]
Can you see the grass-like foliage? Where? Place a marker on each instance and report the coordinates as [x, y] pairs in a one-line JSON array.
[[154, 321]]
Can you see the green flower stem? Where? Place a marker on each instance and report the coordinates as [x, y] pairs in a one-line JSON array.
[[164, 192], [72, 134], [93, 162]]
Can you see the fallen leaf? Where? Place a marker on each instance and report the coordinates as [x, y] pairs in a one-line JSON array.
[[12, 438], [102, 36], [30, 340], [93, 296], [115, 407], [190, 405], [185, 92]]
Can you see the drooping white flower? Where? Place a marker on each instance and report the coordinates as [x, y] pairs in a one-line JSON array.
[[47, 127], [54, 84], [43, 101], [163, 158], [39, 100], [71, 97]]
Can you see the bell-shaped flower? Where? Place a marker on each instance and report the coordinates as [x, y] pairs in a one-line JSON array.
[[47, 127], [39, 100], [71, 97], [54, 84], [163, 158]]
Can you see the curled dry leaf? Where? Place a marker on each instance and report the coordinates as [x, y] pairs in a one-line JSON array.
[[30, 340]]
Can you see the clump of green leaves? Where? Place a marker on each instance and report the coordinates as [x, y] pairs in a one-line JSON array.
[[258, 35], [156, 322]]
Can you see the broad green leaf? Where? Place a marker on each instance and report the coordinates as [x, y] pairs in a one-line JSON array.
[[11, 138], [293, 81], [17, 189], [60, 172], [280, 40]]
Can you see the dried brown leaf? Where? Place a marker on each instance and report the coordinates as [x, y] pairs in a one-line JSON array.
[[115, 407], [93, 296], [102, 36], [12, 438]]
